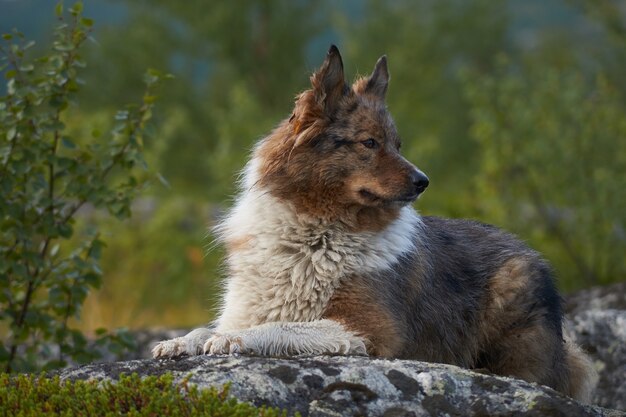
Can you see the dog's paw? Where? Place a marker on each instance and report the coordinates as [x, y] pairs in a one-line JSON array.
[[190, 344], [170, 348], [351, 345], [356, 346], [223, 344]]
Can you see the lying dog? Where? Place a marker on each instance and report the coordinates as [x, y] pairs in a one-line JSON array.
[[327, 256]]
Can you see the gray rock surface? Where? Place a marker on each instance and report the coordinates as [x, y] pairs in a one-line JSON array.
[[338, 386], [602, 334], [597, 322], [609, 297]]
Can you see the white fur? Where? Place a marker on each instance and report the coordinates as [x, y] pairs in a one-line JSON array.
[[294, 338], [288, 268], [291, 264]]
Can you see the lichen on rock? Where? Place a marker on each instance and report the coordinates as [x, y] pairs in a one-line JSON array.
[[337, 386]]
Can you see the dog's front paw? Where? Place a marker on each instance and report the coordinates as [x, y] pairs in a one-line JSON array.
[[223, 344], [356, 346], [190, 344], [170, 348]]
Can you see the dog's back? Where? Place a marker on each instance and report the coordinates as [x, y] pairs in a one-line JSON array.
[[470, 295]]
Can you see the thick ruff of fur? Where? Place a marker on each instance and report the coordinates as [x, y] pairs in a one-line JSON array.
[[288, 266], [326, 256]]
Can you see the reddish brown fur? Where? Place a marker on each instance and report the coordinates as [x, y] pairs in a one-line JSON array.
[[501, 306], [521, 345], [356, 308]]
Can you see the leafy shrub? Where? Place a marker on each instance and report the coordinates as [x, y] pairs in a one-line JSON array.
[[151, 396], [46, 177], [554, 162]]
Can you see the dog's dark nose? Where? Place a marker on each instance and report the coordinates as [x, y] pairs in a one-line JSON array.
[[420, 181]]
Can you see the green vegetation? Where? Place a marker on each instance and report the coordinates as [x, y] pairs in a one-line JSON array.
[[130, 396], [515, 110], [523, 125], [47, 174]]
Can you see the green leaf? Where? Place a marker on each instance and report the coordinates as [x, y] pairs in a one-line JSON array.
[[55, 250], [65, 230], [58, 9], [10, 74], [11, 133], [63, 47], [149, 99], [76, 9], [11, 87], [86, 22], [53, 126]]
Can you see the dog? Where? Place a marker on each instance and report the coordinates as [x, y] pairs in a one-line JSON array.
[[326, 255]]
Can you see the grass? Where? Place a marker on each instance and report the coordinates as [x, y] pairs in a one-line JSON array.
[[131, 395]]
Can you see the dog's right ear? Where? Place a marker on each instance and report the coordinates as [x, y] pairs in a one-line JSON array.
[[329, 84], [315, 106]]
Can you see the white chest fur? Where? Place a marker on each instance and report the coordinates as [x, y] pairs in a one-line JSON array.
[[289, 267]]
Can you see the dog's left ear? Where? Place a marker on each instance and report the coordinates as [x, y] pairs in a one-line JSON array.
[[379, 80], [377, 83]]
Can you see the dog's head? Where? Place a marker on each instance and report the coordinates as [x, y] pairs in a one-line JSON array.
[[338, 156]]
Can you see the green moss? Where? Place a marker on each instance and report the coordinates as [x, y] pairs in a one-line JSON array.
[[30, 395]]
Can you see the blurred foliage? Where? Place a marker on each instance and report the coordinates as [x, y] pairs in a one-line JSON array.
[[551, 149], [514, 109], [46, 176]]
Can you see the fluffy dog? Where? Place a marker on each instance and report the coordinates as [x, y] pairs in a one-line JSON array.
[[327, 256]]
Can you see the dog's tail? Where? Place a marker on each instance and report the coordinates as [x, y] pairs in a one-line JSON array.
[[583, 376]]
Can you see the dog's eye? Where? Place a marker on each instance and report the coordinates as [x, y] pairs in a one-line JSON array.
[[370, 143]]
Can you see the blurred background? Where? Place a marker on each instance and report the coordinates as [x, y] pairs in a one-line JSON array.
[[515, 109]]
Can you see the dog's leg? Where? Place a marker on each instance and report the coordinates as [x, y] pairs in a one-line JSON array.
[[190, 344], [288, 338]]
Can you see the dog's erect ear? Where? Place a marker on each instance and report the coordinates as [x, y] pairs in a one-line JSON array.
[[328, 82], [379, 80], [315, 106]]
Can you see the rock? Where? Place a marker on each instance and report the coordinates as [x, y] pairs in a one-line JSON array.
[[610, 297], [602, 334], [338, 386], [326, 386], [597, 321]]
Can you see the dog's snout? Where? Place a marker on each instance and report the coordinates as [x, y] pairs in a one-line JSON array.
[[420, 181]]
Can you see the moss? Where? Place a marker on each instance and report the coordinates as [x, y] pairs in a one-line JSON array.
[[30, 395]]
